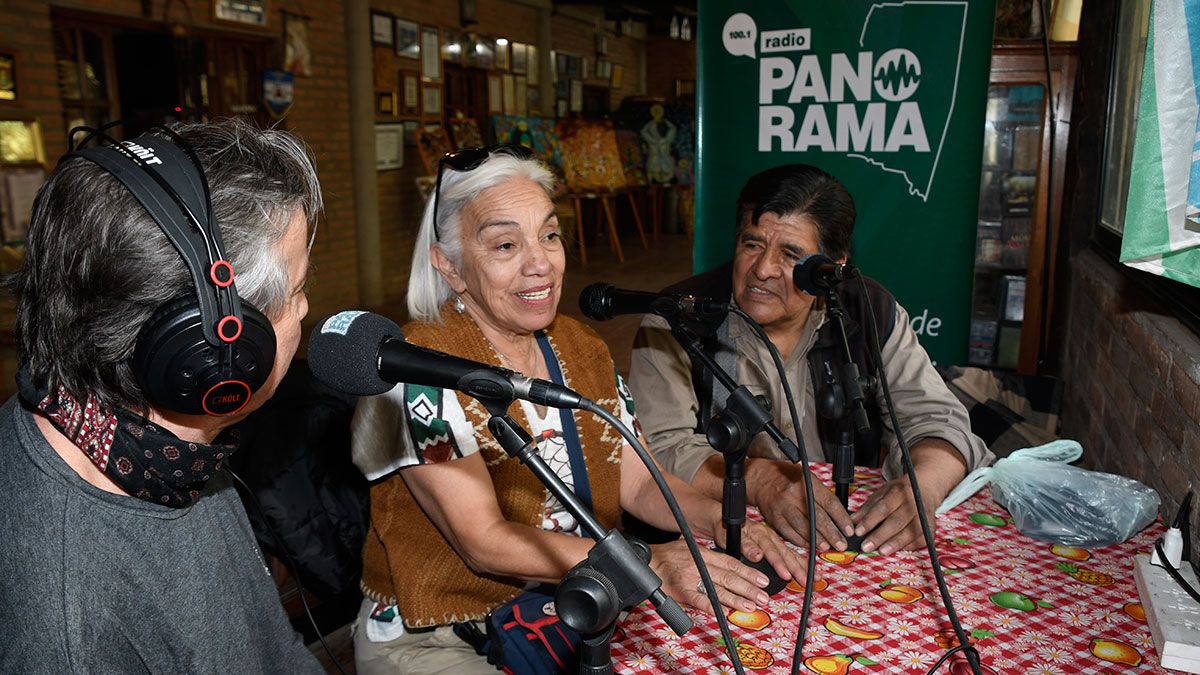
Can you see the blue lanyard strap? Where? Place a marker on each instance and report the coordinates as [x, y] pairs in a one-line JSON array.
[[582, 487]]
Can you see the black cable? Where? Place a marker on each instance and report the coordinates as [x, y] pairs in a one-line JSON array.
[[1166, 564], [1044, 338], [809, 500], [906, 458], [948, 654], [290, 563], [709, 589]]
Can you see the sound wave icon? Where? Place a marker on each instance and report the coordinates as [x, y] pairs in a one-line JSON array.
[[897, 74]]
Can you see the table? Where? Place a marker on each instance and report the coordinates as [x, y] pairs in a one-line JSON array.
[[1030, 607]]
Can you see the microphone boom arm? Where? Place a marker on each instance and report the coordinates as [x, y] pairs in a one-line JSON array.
[[691, 344]]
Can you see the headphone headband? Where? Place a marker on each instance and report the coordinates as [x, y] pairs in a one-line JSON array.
[[165, 180], [204, 353]]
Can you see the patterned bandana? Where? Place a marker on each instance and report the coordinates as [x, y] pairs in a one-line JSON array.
[[143, 459]]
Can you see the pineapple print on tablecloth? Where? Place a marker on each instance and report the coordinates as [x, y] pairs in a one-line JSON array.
[[1086, 575]]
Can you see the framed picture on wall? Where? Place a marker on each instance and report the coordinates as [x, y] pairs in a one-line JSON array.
[[576, 96], [408, 39], [244, 12], [532, 66], [383, 29], [385, 103], [431, 57], [519, 55], [297, 56], [410, 88], [502, 54], [8, 76], [389, 146], [22, 142], [522, 94], [18, 189], [495, 94], [510, 94], [431, 100]]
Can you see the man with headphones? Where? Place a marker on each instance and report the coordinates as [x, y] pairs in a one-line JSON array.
[[160, 302]]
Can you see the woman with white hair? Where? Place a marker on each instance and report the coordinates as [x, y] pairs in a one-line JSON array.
[[459, 527]]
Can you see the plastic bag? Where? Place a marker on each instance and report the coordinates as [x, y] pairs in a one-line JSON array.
[[1053, 501]]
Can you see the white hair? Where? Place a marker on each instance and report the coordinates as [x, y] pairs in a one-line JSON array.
[[427, 290]]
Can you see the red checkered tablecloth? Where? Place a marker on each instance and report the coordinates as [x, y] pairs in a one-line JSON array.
[[1030, 608]]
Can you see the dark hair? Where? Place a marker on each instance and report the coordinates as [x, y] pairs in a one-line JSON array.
[[97, 265], [801, 189]]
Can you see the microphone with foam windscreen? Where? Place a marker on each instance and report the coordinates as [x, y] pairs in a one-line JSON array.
[[364, 354], [817, 273], [601, 302]]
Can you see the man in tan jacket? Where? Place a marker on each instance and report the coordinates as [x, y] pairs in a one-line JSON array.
[[784, 214]]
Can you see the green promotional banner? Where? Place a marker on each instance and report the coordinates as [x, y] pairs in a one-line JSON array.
[[887, 96]]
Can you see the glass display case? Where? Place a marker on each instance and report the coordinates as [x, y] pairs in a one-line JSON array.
[[1014, 246]]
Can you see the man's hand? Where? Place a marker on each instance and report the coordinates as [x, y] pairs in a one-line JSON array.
[[777, 489], [889, 517]]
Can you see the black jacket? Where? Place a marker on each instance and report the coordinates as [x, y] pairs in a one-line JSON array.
[[295, 457]]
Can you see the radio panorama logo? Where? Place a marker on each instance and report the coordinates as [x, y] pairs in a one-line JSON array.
[[897, 74]]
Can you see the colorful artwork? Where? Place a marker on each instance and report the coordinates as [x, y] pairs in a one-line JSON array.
[[465, 132], [536, 133], [633, 162], [591, 161], [432, 144], [668, 140]]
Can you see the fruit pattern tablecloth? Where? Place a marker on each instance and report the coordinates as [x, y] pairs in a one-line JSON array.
[[1030, 607]]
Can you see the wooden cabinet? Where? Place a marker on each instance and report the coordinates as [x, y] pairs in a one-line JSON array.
[[1015, 239]]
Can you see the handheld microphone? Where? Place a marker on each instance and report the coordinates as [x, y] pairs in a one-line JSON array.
[[601, 302], [817, 274], [364, 354]]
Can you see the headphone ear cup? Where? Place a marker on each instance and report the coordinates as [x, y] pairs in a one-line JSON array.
[[179, 370]]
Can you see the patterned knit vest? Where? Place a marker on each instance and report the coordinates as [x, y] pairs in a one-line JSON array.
[[406, 560]]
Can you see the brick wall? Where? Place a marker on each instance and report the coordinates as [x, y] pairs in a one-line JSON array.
[[668, 60], [1132, 372]]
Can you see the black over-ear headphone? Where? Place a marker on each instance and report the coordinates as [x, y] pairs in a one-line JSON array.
[[204, 353]]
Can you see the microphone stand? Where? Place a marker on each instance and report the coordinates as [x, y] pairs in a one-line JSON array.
[[846, 403], [614, 577], [730, 433]]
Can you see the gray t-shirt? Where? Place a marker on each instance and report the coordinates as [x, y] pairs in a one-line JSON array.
[[93, 582]]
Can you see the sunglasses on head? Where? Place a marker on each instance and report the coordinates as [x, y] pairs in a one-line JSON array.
[[469, 159]]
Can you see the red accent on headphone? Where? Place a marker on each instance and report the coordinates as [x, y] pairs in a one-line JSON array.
[[227, 398], [214, 274], [225, 322]]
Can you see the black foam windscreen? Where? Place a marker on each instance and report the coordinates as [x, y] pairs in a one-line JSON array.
[[593, 301], [805, 273], [343, 351]]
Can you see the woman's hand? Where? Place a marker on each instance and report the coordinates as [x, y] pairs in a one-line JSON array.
[[738, 587]]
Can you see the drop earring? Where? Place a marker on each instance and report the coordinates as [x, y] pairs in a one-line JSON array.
[[459, 305]]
